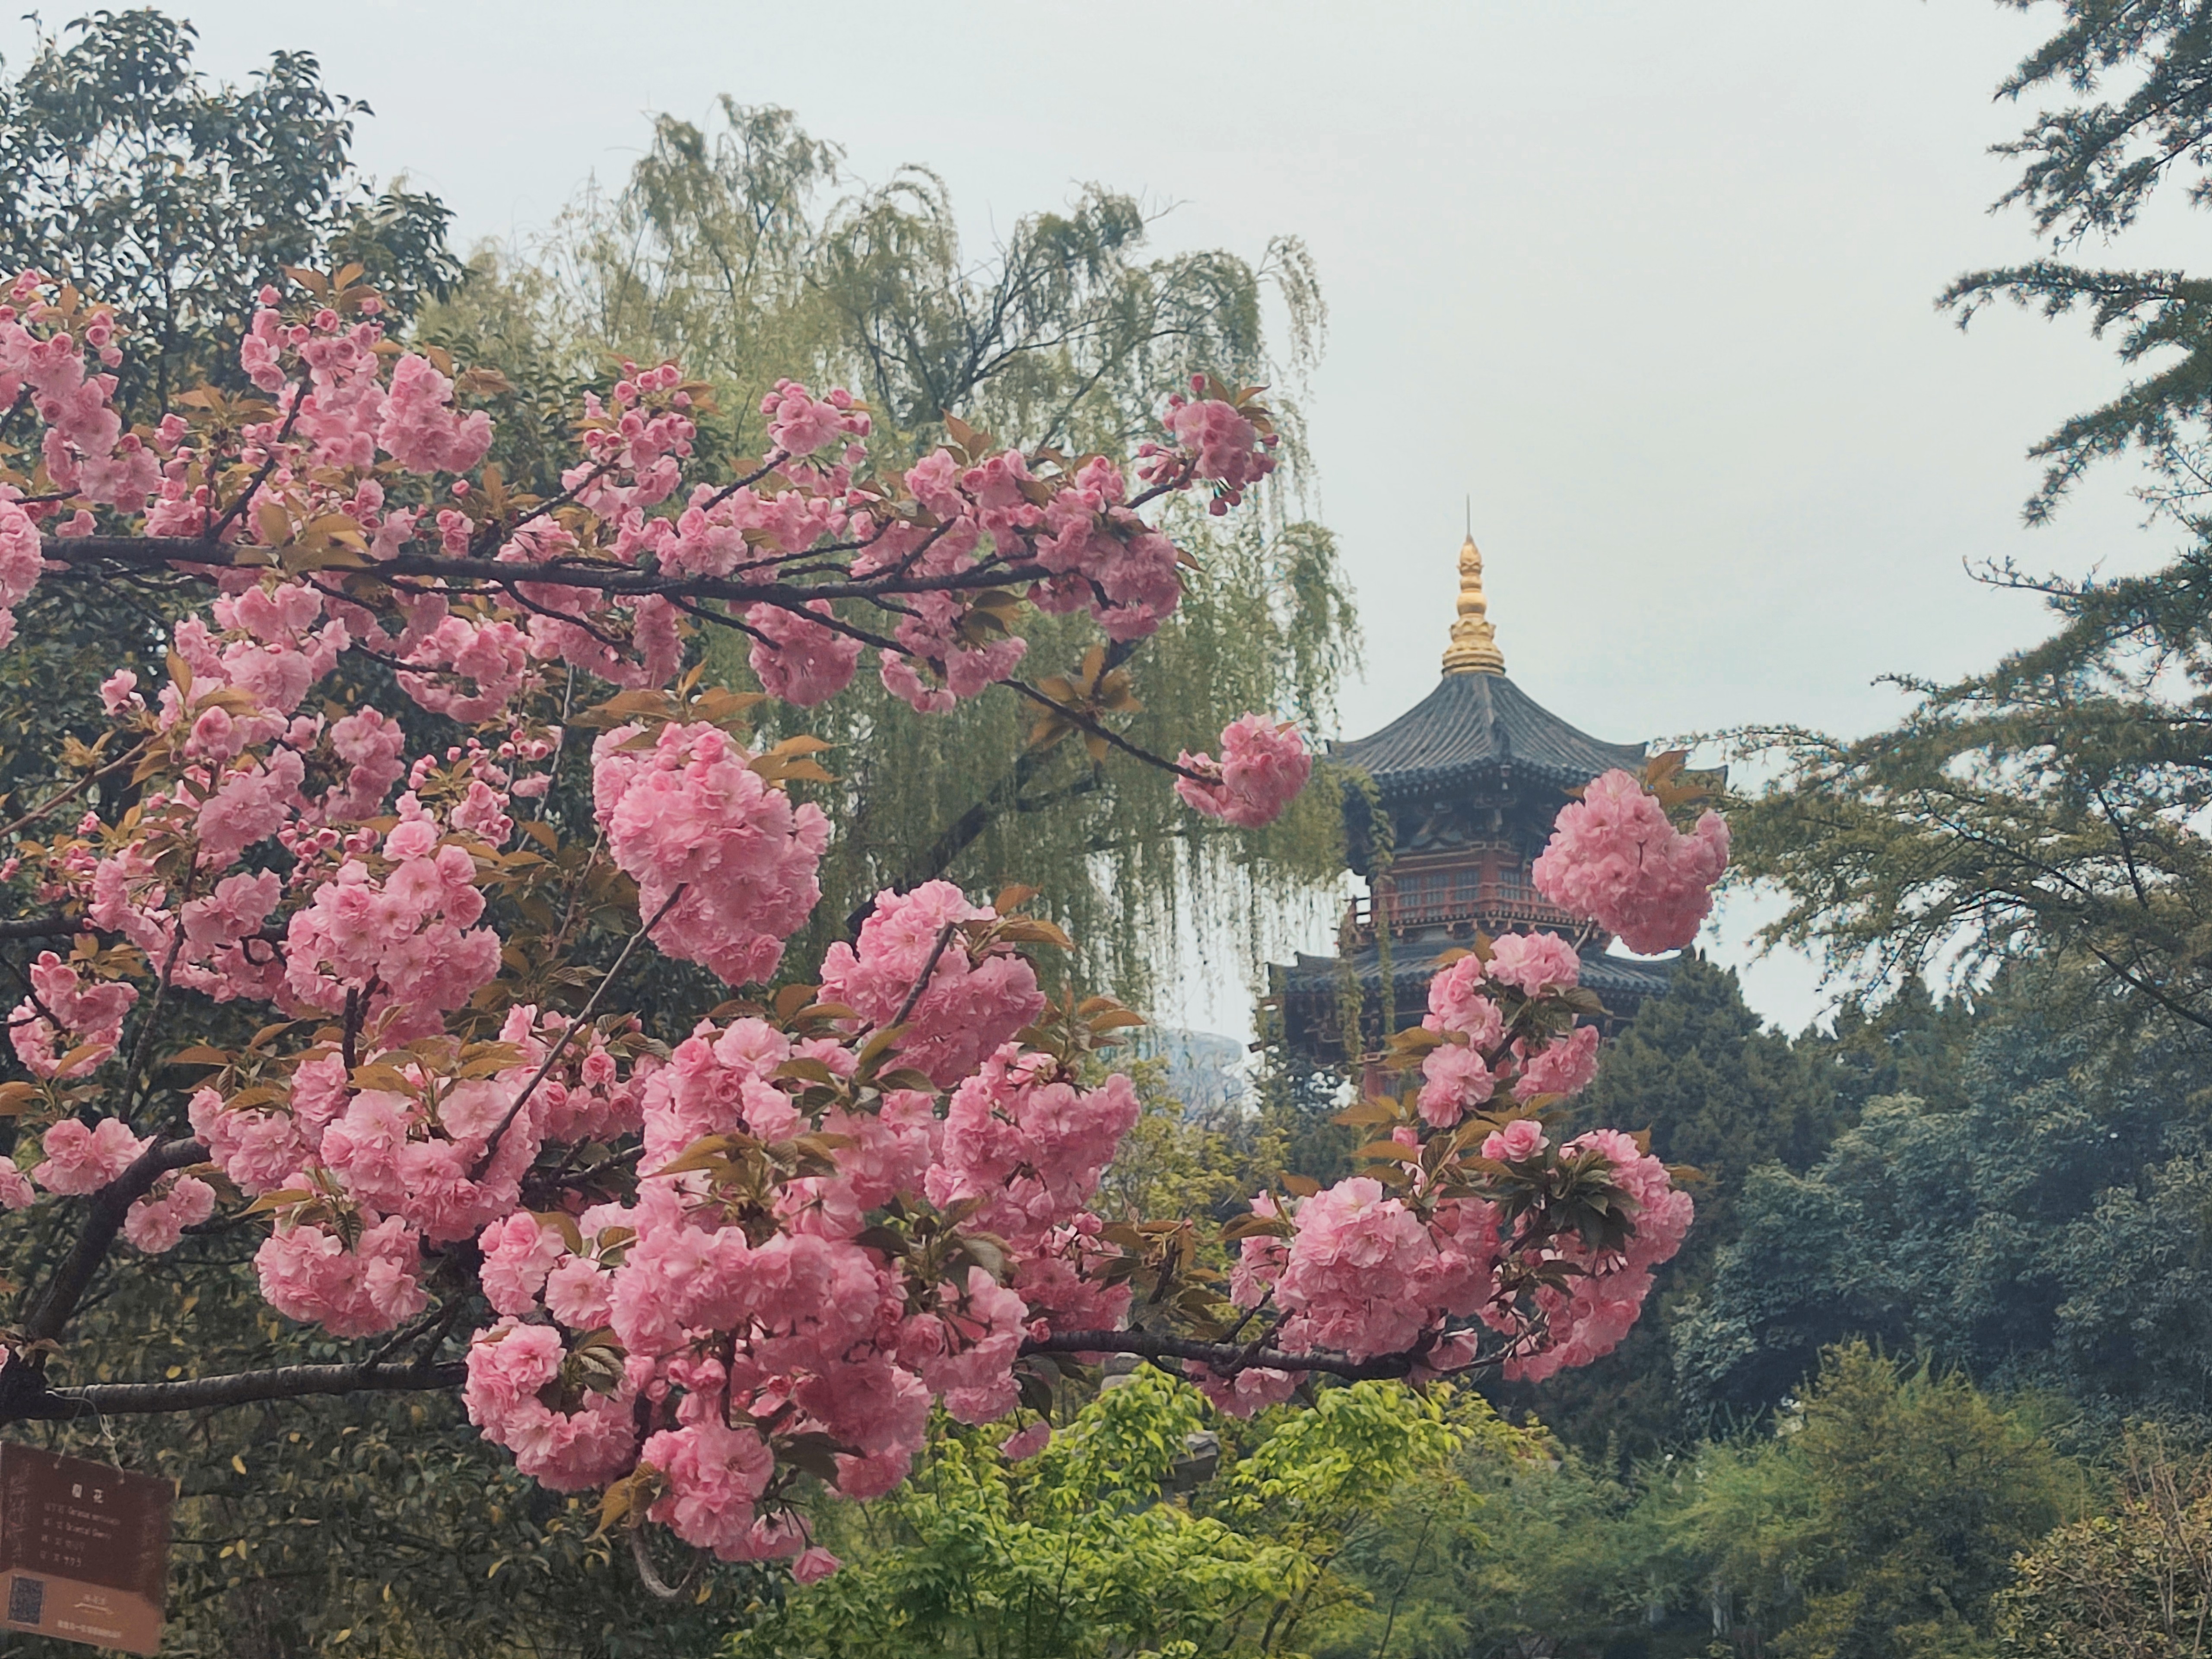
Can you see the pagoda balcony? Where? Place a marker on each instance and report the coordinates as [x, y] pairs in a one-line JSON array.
[[1407, 913]]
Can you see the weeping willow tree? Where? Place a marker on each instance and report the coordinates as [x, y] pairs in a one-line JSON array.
[[1133, 874], [745, 252]]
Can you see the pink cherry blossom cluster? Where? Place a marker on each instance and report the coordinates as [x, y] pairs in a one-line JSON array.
[[972, 1000], [341, 399], [735, 1311], [712, 1259], [1616, 859], [1423, 1255], [1263, 765], [67, 1026], [1214, 439], [726, 856], [1363, 1270], [1474, 1062]]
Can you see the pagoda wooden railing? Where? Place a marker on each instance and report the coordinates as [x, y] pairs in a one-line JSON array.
[[1404, 911]]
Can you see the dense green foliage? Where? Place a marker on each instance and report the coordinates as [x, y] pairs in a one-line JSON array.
[[1878, 1518], [1117, 1540], [175, 197], [2135, 1584], [2040, 1230]]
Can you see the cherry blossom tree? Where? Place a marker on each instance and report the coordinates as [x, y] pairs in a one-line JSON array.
[[431, 769]]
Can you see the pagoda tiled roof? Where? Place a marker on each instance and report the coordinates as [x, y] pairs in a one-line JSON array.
[[1476, 724]]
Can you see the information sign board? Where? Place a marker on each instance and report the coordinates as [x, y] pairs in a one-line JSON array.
[[84, 1549]]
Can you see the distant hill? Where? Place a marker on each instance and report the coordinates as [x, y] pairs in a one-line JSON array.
[[1205, 1068]]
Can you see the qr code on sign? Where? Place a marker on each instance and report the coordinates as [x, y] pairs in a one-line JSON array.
[[27, 1600]]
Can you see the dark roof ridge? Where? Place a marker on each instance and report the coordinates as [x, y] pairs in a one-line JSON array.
[[1474, 723]]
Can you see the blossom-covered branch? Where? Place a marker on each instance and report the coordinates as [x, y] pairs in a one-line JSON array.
[[696, 1268]]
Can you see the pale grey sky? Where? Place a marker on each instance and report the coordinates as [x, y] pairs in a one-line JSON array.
[[1652, 283]]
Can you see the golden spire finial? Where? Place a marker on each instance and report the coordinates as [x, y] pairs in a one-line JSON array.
[[1473, 648]]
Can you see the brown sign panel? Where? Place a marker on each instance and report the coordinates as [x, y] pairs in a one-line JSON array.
[[84, 1549]]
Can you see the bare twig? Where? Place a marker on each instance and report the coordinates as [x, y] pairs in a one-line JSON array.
[[62, 797], [561, 1043], [922, 979]]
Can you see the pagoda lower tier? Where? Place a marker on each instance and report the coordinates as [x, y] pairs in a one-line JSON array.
[[1311, 991]]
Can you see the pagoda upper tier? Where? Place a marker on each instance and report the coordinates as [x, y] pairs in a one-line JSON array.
[[1445, 810], [1476, 736]]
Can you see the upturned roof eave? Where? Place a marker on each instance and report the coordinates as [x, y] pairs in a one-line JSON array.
[[1478, 725]]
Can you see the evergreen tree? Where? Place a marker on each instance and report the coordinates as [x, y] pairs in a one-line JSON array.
[[2044, 1232], [1720, 1092], [2050, 805]]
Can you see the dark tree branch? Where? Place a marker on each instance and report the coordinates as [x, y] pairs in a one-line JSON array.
[[27, 928], [922, 979], [86, 554], [1226, 1358], [25, 1377], [239, 1388]]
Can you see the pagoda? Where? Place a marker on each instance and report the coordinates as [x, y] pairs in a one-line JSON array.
[[1465, 785]]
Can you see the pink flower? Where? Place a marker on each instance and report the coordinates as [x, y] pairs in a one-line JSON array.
[[510, 1368], [83, 1160], [973, 1001], [517, 1252], [1455, 1080], [1586, 1317], [308, 1273], [1516, 1143], [1028, 1143], [91, 1015], [421, 431], [1458, 1002], [713, 1475], [116, 693], [156, 1223], [1535, 963], [1615, 858], [1356, 1277], [1026, 1442], [689, 812], [1565, 1067], [21, 560], [1263, 766], [799, 423], [260, 1152], [798, 661], [813, 1565]]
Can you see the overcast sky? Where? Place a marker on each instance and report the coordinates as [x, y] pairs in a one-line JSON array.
[[1651, 283]]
